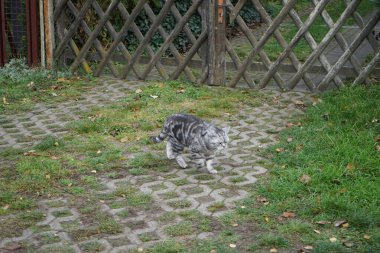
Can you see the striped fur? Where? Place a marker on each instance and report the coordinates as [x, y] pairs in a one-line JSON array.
[[202, 138]]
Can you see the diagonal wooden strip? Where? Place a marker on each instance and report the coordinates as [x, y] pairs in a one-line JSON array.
[[177, 15], [340, 39], [189, 55], [276, 22], [59, 8], [75, 49], [147, 38], [253, 42], [113, 34], [87, 30], [293, 58], [274, 67], [313, 44], [177, 29], [120, 36], [350, 50], [236, 60], [140, 37], [234, 12], [368, 69], [72, 28], [324, 43], [94, 34], [173, 49]]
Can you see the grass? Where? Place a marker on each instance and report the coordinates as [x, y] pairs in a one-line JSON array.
[[335, 147], [21, 87]]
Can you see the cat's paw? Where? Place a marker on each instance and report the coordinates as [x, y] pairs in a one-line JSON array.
[[181, 162]]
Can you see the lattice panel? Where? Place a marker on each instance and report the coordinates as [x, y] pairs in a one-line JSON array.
[[316, 71], [96, 38]]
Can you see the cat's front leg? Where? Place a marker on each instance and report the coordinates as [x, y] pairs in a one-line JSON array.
[[173, 151], [209, 163], [198, 159]]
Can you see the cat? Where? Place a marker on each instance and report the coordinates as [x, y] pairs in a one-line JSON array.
[[203, 139]]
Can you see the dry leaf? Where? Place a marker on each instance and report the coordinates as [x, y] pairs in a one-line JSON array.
[[333, 239], [70, 184], [153, 96], [5, 207], [350, 167], [378, 147], [262, 200], [232, 245], [47, 176], [93, 171], [5, 101], [345, 225], [300, 103], [279, 150], [299, 147], [290, 139], [367, 237], [235, 225], [99, 152], [242, 207], [339, 223], [377, 138], [180, 91], [323, 222], [273, 250], [138, 91], [140, 249], [62, 80], [348, 244], [125, 139], [213, 251], [308, 247], [305, 179], [317, 231], [101, 201], [266, 219], [288, 215], [54, 94]]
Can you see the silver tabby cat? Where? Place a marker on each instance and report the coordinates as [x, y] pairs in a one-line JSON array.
[[202, 138]]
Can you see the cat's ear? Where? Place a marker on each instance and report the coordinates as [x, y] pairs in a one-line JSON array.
[[226, 129]]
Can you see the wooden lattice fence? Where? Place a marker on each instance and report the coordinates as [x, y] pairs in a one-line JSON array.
[[211, 56]]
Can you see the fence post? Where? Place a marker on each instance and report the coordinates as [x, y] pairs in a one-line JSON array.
[[2, 35], [216, 41]]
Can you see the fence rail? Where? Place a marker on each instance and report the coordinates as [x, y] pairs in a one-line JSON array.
[[88, 36]]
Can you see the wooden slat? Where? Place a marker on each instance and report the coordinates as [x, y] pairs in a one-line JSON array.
[[87, 30], [60, 4], [236, 60], [94, 34], [293, 58], [253, 42], [276, 22], [140, 37], [313, 44], [324, 43], [313, 15], [234, 11], [73, 28], [120, 36], [350, 50], [189, 55], [340, 39], [177, 29], [147, 38], [173, 49], [368, 69]]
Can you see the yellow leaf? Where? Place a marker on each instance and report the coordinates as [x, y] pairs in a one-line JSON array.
[[5, 101], [345, 225], [140, 249], [235, 225], [317, 231], [124, 139], [232, 245], [93, 171], [367, 237], [266, 219], [273, 250], [333, 239], [47, 176], [138, 91], [308, 247]]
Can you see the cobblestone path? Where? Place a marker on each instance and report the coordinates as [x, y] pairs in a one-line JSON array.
[[65, 227]]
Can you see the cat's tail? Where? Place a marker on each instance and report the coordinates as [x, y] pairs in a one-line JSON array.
[[157, 139]]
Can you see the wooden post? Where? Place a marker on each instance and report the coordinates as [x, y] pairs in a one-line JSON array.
[[3, 55], [217, 46], [49, 32]]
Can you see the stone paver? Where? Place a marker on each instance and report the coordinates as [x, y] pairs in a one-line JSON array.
[[176, 190]]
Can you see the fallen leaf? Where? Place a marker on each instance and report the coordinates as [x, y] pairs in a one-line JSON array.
[[235, 225], [348, 244], [317, 231], [377, 138], [125, 139], [140, 249], [62, 80], [345, 225], [232, 245], [99, 152], [367, 237], [47, 176], [300, 103], [299, 147], [101, 201], [339, 223], [213, 251], [180, 91], [333, 239], [273, 250], [308, 247], [13, 247], [5, 207], [5, 101], [70, 184], [93, 171], [153, 96], [54, 94], [288, 214], [378, 147], [242, 207], [262, 200], [290, 139], [305, 178], [322, 222], [266, 219], [279, 150], [56, 144], [350, 167], [138, 91], [290, 125]]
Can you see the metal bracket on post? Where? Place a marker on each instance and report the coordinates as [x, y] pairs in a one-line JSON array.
[[221, 11]]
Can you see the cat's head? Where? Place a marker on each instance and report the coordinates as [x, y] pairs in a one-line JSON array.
[[216, 138]]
